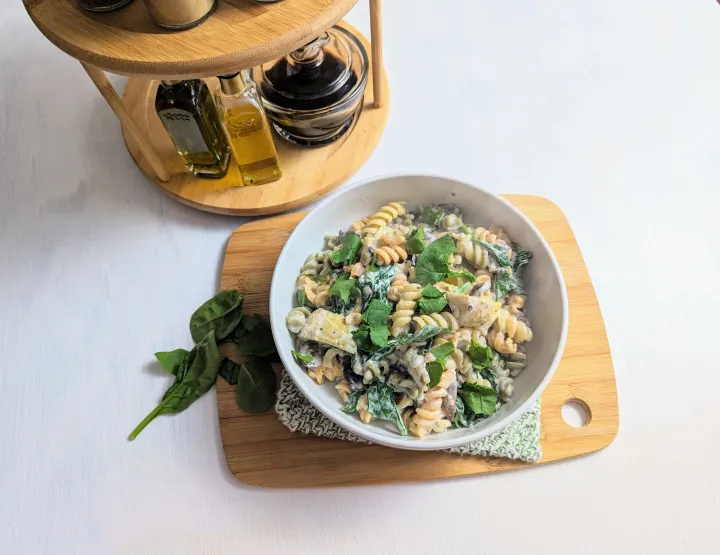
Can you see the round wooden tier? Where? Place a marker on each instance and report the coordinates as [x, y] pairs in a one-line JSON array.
[[308, 173], [239, 34]]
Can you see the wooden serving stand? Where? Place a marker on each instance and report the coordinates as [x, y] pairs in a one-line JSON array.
[[238, 35]]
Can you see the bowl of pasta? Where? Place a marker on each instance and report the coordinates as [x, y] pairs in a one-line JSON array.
[[418, 312]]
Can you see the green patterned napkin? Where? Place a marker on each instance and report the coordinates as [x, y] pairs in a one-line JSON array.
[[520, 440]]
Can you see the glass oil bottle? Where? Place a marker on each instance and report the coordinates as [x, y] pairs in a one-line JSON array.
[[186, 110], [247, 130]]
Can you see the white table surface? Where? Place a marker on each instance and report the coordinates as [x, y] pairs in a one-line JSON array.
[[609, 108]]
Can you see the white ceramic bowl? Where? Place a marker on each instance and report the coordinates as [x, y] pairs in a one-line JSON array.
[[546, 308]]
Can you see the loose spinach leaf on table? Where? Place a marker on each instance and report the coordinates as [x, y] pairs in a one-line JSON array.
[[171, 361], [349, 246], [229, 371], [479, 399], [381, 404], [351, 403], [253, 337], [417, 242], [220, 314], [256, 386], [193, 379]]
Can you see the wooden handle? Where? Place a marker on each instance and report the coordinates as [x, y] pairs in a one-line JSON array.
[[111, 97], [376, 46]]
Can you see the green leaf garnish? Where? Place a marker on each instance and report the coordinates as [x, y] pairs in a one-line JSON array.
[[351, 403], [376, 316], [498, 251], [349, 246], [422, 335], [443, 351], [302, 360], [481, 356], [435, 370], [381, 404], [432, 264], [345, 288], [479, 399], [416, 244]]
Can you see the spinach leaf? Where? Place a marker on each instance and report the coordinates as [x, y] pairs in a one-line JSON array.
[[504, 282], [432, 300], [479, 399], [253, 337], [255, 389], [374, 284], [171, 361], [431, 214], [363, 340], [522, 259], [302, 300], [345, 288], [423, 334], [498, 251], [349, 246], [443, 351], [193, 379], [489, 375], [464, 418], [416, 244], [381, 404], [432, 264], [351, 403], [302, 360], [481, 356], [376, 317], [435, 370], [229, 371], [220, 314]]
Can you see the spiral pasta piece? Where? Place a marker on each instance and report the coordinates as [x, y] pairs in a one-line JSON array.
[[516, 303], [396, 287], [374, 369], [434, 319], [407, 386], [331, 367], [390, 254], [360, 224], [362, 410], [383, 217], [296, 318], [500, 343], [405, 308], [473, 253], [344, 390], [317, 294], [428, 415], [513, 328]]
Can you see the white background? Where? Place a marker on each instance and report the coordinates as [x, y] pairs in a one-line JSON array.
[[610, 108]]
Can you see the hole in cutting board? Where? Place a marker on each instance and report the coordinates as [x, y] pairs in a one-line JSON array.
[[576, 413]]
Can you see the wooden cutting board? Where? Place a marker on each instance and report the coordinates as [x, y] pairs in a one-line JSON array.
[[259, 450]]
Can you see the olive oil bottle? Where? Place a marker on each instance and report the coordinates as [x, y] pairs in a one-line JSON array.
[[247, 130], [186, 110]]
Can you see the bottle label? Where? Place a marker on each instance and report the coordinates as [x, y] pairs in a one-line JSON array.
[[184, 130]]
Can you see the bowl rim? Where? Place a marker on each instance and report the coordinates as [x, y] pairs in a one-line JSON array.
[[277, 323]]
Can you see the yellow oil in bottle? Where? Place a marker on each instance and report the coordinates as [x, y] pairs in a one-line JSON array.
[[248, 131]]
